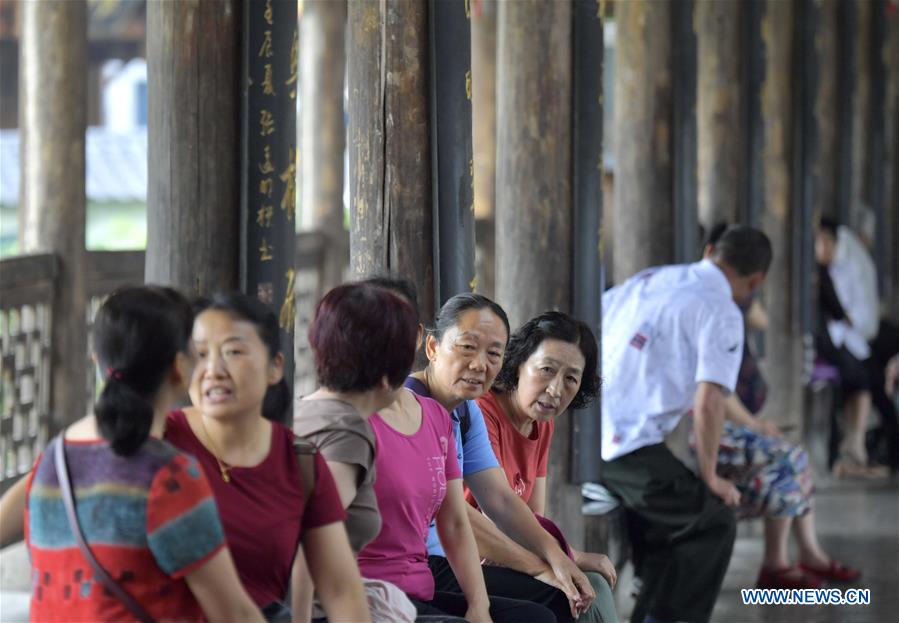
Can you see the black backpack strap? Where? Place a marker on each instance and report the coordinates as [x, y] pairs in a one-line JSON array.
[[68, 498], [305, 452], [464, 420]]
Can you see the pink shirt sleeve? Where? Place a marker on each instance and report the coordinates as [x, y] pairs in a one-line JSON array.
[[453, 471]]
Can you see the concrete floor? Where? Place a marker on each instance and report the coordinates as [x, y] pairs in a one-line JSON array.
[[858, 523]]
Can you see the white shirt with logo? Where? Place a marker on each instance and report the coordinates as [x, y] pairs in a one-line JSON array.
[[664, 331], [854, 279]]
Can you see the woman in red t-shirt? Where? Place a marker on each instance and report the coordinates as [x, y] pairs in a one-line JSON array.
[[550, 365]]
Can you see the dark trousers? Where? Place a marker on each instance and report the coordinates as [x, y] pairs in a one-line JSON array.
[[501, 610], [505, 582], [682, 534]]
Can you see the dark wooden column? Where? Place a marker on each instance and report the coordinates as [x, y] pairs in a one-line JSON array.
[[270, 83], [483, 102], [53, 107], [683, 132], [846, 86], [194, 147], [323, 130], [783, 352], [891, 178], [587, 209], [718, 110], [876, 170], [452, 163], [861, 111], [825, 109], [390, 192], [533, 193], [643, 220]]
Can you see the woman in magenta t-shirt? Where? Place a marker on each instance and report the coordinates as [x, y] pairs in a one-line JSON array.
[[419, 481]]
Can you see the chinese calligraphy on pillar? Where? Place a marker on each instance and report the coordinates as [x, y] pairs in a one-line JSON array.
[[269, 160]]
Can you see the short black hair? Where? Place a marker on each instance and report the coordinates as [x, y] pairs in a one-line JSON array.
[[559, 326], [745, 249], [452, 310], [829, 226]]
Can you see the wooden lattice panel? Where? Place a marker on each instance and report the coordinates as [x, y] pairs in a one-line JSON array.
[[25, 386]]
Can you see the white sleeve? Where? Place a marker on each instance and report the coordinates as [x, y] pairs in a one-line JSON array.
[[719, 347]]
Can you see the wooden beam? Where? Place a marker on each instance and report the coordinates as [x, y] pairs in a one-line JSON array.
[[586, 265], [718, 111], [270, 85], [825, 109], [391, 226], [452, 164], [533, 193], [644, 216], [783, 350], [54, 117], [483, 93], [193, 162], [323, 130], [684, 132]]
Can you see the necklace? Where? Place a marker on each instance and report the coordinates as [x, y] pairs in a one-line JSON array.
[[224, 468]]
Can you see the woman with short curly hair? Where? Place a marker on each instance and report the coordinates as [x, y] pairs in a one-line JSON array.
[[551, 365]]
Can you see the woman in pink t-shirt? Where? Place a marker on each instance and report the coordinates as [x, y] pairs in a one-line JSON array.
[[419, 481], [551, 364]]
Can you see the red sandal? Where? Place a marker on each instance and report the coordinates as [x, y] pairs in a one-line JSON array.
[[835, 572], [788, 577]]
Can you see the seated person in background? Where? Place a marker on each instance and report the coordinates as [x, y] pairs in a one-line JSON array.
[[849, 323], [361, 360], [465, 353], [550, 365], [672, 343]]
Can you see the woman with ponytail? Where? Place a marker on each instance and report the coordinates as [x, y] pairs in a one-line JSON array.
[[145, 509]]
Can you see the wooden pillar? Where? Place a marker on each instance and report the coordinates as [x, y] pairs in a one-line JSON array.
[[846, 82], [891, 177], [483, 93], [876, 170], [323, 130], [268, 123], [194, 147], [825, 110], [718, 110], [533, 193], [53, 117], [861, 111], [390, 193], [783, 352], [452, 160], [644, 220], [587, 211]]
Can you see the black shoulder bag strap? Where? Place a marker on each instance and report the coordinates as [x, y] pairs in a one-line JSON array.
[[68, 498], [305, 452]]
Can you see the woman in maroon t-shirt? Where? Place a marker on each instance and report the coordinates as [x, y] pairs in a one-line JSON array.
[[238, 393]]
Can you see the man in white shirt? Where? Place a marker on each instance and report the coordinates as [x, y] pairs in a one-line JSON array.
[[672, 343]]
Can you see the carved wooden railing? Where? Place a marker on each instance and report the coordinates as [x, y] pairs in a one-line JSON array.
[[27, 287]]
